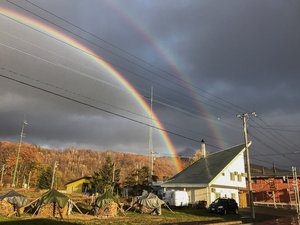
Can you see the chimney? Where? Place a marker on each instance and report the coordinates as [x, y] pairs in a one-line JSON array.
[[203, 149]]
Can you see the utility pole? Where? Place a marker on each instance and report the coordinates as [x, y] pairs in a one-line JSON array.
[[2, 173], [28, 182], [244, 117], [151, 153], [113, 175], [54, 168], [295, 183], [16, 167]]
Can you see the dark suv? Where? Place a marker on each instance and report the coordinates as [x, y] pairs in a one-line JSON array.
[[224, 206]]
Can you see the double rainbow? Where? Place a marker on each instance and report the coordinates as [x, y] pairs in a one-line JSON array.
[[167, 55], [57, 34]]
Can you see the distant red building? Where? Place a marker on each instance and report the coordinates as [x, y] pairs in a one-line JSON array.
[[269, 185]]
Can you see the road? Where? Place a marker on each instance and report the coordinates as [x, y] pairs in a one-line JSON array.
[[270, 216]]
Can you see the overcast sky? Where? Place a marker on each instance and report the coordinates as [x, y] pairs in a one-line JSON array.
[[207, 61]]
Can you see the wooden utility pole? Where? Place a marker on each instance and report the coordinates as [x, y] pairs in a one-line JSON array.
[[2, 173], [244, 118], [28, 182], [113, 175], [54, 168], [151, 153], [16, 167]]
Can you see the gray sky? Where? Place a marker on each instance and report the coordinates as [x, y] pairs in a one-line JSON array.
[[207, 60]]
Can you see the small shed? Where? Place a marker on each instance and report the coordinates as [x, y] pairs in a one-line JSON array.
[[80, 185]]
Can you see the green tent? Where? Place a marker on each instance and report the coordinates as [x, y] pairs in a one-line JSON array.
[[54, 196], [105, 198]]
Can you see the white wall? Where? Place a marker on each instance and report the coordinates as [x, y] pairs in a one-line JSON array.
[[237, 166]]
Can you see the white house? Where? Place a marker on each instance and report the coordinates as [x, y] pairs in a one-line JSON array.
[[221, 174]]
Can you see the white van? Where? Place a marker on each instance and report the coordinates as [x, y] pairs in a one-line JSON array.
[[176, 198]]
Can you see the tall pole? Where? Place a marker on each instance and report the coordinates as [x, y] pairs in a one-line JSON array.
[[113, 175], [2, 173], [244, 118], [297, 189], [151, 153], [16, 167], [28, 182], [54, 168]]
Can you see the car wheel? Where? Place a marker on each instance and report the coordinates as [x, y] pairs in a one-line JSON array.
[[225, 212]]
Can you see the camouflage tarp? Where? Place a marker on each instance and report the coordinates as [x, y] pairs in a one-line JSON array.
[[105, 198], [15, 198], [54, 196]]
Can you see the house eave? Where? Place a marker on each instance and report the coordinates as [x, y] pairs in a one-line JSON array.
[[183, 185]]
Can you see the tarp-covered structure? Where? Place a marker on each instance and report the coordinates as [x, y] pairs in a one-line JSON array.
[[14, 198], [54, 196], [151, 201], [105, 198], [53, 203], [106, 205]]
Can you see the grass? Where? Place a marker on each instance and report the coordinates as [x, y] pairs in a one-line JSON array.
[[131, 218]]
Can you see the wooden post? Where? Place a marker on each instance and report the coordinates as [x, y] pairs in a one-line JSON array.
[[54, 167], [274, 201], [2, 173], [29, 176]]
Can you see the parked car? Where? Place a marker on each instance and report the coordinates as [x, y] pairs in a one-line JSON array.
[[224, 206], [176, 198]]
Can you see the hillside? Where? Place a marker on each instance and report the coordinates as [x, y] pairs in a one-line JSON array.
[[73, 163]]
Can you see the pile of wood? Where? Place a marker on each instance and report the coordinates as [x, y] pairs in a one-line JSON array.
[[49, 210], [146, 210], [6, 208], [108, 210]]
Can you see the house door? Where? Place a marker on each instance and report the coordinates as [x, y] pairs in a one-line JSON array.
[[242, 199]]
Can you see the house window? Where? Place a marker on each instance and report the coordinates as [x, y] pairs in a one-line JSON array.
[[232, 176], [71, 189], [239, 177], [233, 196]]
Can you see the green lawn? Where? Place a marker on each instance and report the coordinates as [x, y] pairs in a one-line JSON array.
[[182, 215]]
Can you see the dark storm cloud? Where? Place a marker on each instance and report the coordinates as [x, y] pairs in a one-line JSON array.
[[244, 52]]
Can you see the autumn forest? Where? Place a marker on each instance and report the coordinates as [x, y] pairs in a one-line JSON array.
[[72, 163]]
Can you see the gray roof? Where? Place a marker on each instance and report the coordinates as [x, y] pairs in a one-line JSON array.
[[203, 171]]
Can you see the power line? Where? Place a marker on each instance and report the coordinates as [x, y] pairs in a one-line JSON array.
[[146, 69], [268, 146], [101, 109], [277, 137], [149, 71], [90, 76], [120, 67]]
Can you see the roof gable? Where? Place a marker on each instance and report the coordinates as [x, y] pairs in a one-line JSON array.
[[81, 178], [203, 171]]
